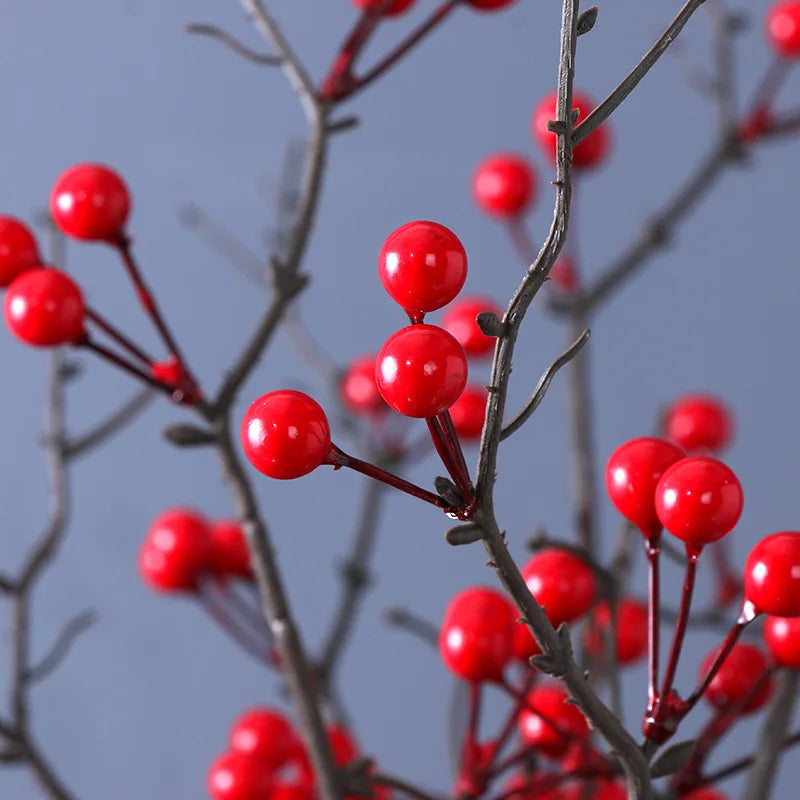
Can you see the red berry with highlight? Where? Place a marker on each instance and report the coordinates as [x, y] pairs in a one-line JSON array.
[[469, 412], [460, 321], [737, 677], [699, 423], [265, 734], [631, 630], [772, 575], [783, 28], [358, 389], [229, 553], [504, 185], [555, 723], [782, 638], [18, 250], [237, 776], [395, 7]]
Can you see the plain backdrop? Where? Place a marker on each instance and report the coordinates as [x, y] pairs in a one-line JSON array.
[[144, 701]]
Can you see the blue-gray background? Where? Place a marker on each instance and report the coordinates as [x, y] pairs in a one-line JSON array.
[[144, 701]]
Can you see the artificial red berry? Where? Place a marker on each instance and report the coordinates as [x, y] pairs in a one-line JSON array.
[[632, 473], [591, 152], [503, 185], [556, 726], [564, 274], [422, 265], [699, 423], [358, 389], [229, 553], [18, 250], [744, 666], [265, 734], [631, 630], [475, 637], [699, 500], [782, 637], [489, 5], [772, 575], [238, 776], [421, 371], [176, 551], [343, 745], [395, 6], [523, 645], [704, 793], [285, 434], [44, 307], [91, 202], [783, 29], [460, 321], [469, 411]]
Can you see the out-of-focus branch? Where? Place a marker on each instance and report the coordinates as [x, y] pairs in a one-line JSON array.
[[61, 647], [238, 47], [412, 623]]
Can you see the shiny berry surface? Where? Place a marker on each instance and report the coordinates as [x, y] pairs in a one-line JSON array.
[[44, 307], [176, 551], [782, 638], [504, 185], [229, 553], [421, 371], [699, 423], [489, 5], [591, 152], [556, 726], [468, 413], [737, 677], [772, 575], [475, 637], [422, 265], [395, 6], [265, 734], [460, 321], [91, 202], [699, 500], [18, 249], [783, 28], [358, 389], [631, 630], [285, 434], [632, 473], [238, 776]]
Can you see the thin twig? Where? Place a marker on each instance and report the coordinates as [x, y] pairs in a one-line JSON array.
[[238, 47], [412, 623], [61, 647], [723, 83]]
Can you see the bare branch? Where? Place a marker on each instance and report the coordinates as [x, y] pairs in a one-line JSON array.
[[71, 631], [412, 623], [238, 47]]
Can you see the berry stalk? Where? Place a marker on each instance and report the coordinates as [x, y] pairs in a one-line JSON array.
[[119, 337]]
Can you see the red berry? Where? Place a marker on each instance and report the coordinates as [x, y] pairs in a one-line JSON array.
[[237, 776], [229, 553], [475, 637], [91, 202], [469, 411], [564, 274], [603, 790], [421, 371], [176, 551], [632, 473], [531, 786], [489, 5], [358, 389], [422, 266], [783, 28], [266, 735], [503, 185], [772, 575], [523, 645], [782, 637], [44, 307], [703, 793], [395, 6], [631, 630], [557, 724], [18, 250], [460, 321], [699, 423], [699, 500], [591, 152], [343, 745], [285, 434], [737, 676], [285, 790]]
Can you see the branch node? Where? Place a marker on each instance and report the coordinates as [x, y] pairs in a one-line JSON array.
[[490, 324]]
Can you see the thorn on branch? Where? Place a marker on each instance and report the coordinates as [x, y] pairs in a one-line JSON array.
[[354, 574], [186, 435], [238, 47], [587, 20]]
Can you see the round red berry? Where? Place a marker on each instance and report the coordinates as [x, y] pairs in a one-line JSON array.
[[343, 745], [265, 734], [469, 411], [699, 500], [394, 8], [632, 473], [489, 5], [18, 250], [229, 553], [523, 645], [91, 202], [238, 776], [591, 152], [783, 28], [772, 575], [631, 630], [422, 266], [504, 186], [421, 371], [704, 793], [460, 321], [531, 786], [782, 637], [550, 722], [699, 423], [475, 637], [744, 666], [564, 274], [44, 307], [285, 434], [358, 389]]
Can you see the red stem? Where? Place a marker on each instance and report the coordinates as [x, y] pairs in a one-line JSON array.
[[119, 337], [446, 422], [653, 552], [449, 458], [119, 361], [522, 699], [509, 725]]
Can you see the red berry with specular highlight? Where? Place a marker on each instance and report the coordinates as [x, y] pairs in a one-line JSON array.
[[422, 265], [358, 389], [782, 638], [699, 423], [631, 630], [555, 723], [772, 575], [44, 307], [18, 249], [90, 202], [238, 776], [285, 434], [504, 185], [469, 412], [229, 553], [265, 734], [460, 321], [737, 677], [394, 8], [783, 28]]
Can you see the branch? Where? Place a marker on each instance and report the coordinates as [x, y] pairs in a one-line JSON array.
[[60, 649], [411, 623], [238, 47], [393, 782]]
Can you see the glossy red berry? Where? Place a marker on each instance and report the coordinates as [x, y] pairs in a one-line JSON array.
[[18, 250], [591, 152], [699, 423], [555, 723], [44, 307], [422, 265], [737, 677], [783, 28], [475, 637], [266, 735], [91, 202], [782, 638], [523, 645], [489, 5], [176, 551], [238, 776], [460, 321], [421, 371], [631, 630], [395, 6], [632, 473], [343, 745], [229, 553], [358, 389], [772, 575], [469, 411], [285, 434], [699, 500], [564, 274], [504, 185]]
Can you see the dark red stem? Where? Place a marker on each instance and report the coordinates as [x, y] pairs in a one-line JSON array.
[[119, 337], [509, 726], [444, 447], [653, 552], [119, 361]]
